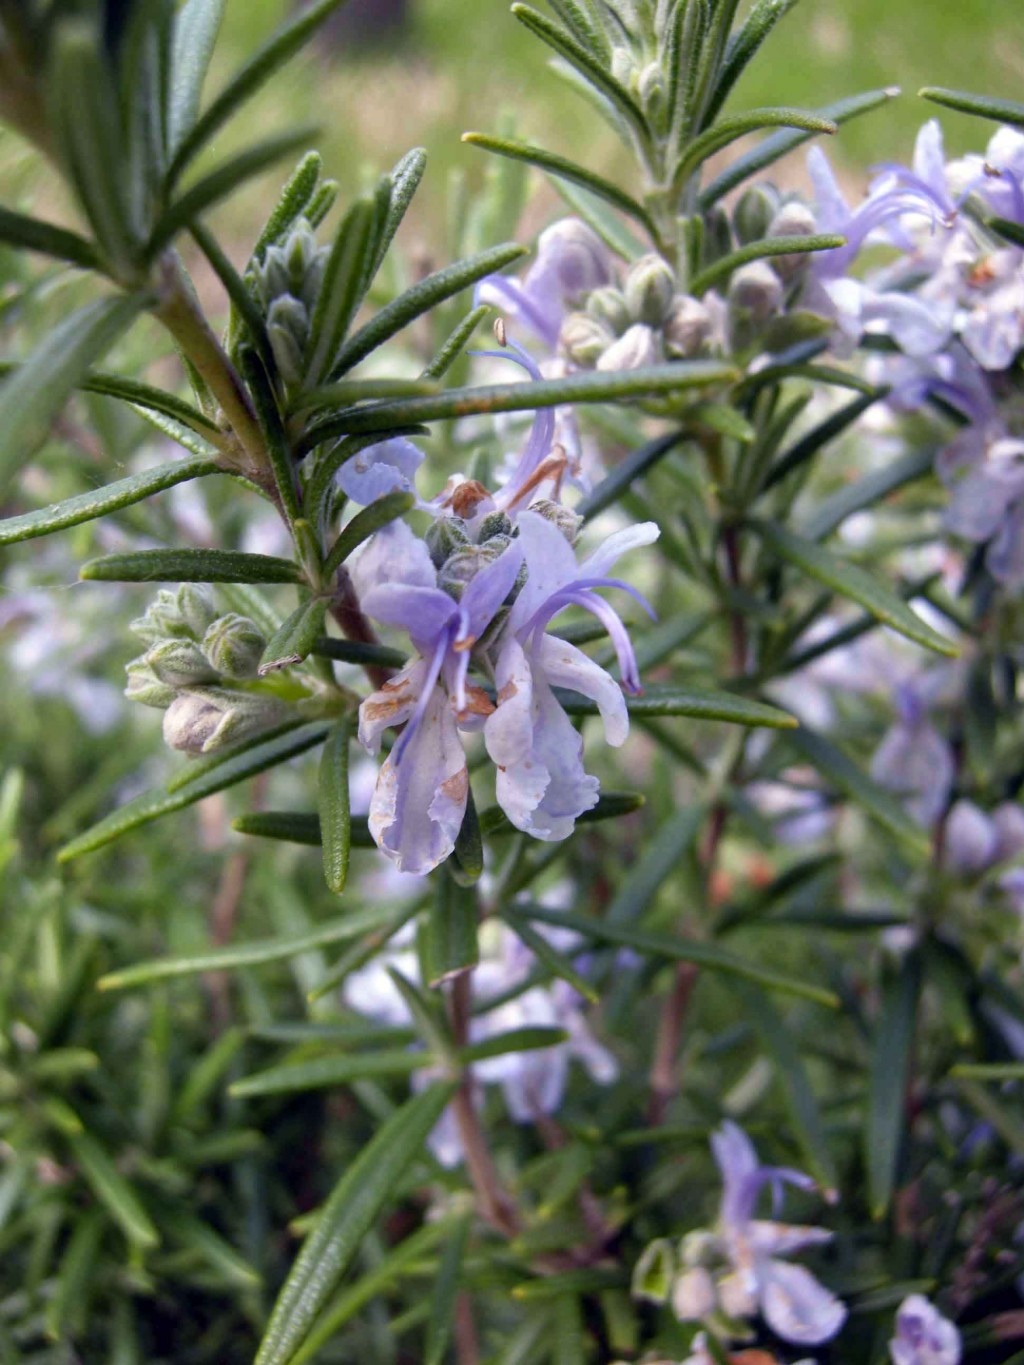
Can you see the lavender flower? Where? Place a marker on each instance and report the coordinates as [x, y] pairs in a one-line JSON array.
[[914, 760], [923, 1335], [736, 1270]]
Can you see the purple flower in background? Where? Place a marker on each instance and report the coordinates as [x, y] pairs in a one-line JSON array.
[[387, 467], [977, 840], [913, 760], [541, 784], [923, 1335], [571, 261], [737, 1270]]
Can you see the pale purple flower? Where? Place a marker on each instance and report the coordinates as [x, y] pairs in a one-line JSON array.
[[923, 1335], [914, 761], [978, 840], [387, 467], [738, 1270], [541, 784]]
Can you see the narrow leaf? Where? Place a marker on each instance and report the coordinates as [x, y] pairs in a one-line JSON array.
[[31, 234], [735, 126], [450, 941], [443, 284], [113, 1190], [666, 700], [324, 1073], [195, 34], [335, 812], [456, 343], [533, 1039], [295, 197], [405, 180], [156, 400], [556, 963], [341, 291], [364, 524], [467, 864], [720, 270], [231, 770], [853, 582], [295, 638], [298, 827], [614, 485], [190, 566], [890, 1070], [593, 210], [832, 511], [355, 652], [1000, 111], [99, 502], [359, 1197], [444, 1294], [743, 46], [821, 435]]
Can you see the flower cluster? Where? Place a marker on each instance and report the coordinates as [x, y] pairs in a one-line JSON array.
[[476, 596]]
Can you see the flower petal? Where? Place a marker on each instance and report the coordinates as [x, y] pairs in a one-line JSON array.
[[392, 705], [422, 612], [387, 467], [618, 544], [798, 1308], [550, 565], [393, 555], [566, 666]]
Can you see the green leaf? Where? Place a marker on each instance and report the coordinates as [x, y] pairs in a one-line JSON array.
[[156, 400], [800, 1099], [456, 343], [743, 46], [227, 771], [887, 1084], [562, 169], [556, 963], [1000, 111], [721, 269], [532, 1039], [207, 1072], [443, 284], [190, 566], [1013, 232], [863, 790], [467, 864], [853, 582], [219, 1254], [341, 291], [220, 182], [271, 56], [31, 394], [324, 1073], [665, 700], [821, 435], [245, 311], [450, 945], [404, 182], [589, 387], [660, 857], [298, 827], [779, 144], [355, 652], [344, 1221], [610, 806], [66, 1311], [113, 1190], [365, 524], [98, 502], [596, 72], [832, 511], [616, 484], [293, 641], [275, 439], [735, 126], [706, 955], [196, 26], [997, 1072], [335, 812], [295, 197], [237, 956], [343, 392], [31, 234], [444, 1293]]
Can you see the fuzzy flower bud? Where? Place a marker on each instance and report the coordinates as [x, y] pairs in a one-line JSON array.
[[196, 607], [145, 687], [445, 537], [576, 256], [609, 307], [464, 565], [234, 646], [288, 331], [755, 295], [568, 522], [163, 618], [650, 285], [687, 327], [584, 339], [754, 212], [205, 719], [792, 220], [179, 663], [633, 350]]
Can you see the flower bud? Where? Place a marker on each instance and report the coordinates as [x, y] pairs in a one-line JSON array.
[[608, 306], [792, 220], [687, 327], [972, 839], [718, 238], [234, 646], [205, 719], [567, 521], [575, 256], [464, 565], [196, 607], [755, 294], [287, 331], [693, 1295], [651, 89], [583, 339], [179, 663], [494, 524], [633, 350], [445, 537], [145, 687], [753, 213], [650, 285], [162, 619]]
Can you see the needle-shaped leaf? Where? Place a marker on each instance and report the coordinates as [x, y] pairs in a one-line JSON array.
[[610, 806], [324, 1073], [335, 811], [414, 302], [226, 772], [32, 393], [343, 1222], [456, 343], [279, 48], [621, 479], [662, 699], [467, 863], [820, 436], [595, 213], [832, 511], [99, 502], [713, 275], [1006, 227], [404, 182], [450, 945], [532, 1039], [364, 524], [887, 1085], [589, 387], [32, 234], [190, 566], [341, 291], [563, 169], [275, 439], [444, 1293], [112, 1190], [1000, 111], [743, 46], [155, 400], [777, 145], [298, 827], [295, 197], [735, 126], [355, 652], [294, 639], [196, 26], [853, 582], [557, 963]]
